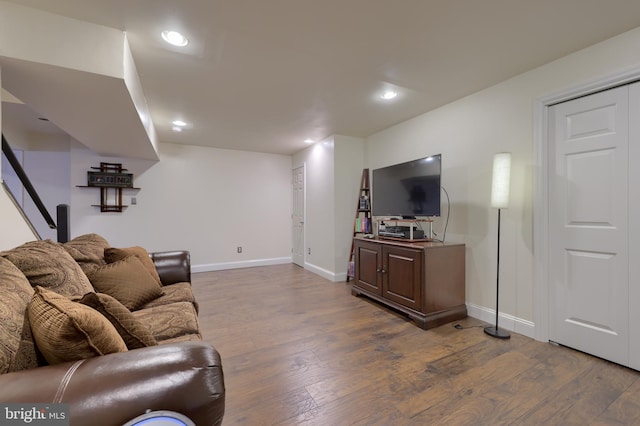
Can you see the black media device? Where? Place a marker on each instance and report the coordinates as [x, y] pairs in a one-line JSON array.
[[401, 232], [408, 189]]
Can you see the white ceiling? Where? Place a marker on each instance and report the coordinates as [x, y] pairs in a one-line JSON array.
[[264, 75]]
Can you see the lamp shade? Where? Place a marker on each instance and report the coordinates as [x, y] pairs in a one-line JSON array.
[[501, 178]]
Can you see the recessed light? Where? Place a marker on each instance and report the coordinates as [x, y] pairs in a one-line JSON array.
[[175, 38], [388, 95], [179, 123], [176, 129], [308, 141]]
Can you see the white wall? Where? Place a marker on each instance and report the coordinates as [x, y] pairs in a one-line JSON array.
[[49, 174], [349, 162], [34, 35], [319, 215], [52, 63], [45, 159], [467, 133], [13, 229], [333, 170], [206, 200]]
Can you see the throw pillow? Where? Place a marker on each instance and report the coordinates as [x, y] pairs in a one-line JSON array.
[[132, 331], [46, 264], [128, 281], [87, 250], [17, 350], [113, 254], [68, 331]]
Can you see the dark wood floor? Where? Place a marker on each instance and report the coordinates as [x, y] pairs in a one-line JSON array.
[[298, 349]]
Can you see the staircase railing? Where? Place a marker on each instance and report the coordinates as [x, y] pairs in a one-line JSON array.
[[12, 197], [62, 209]]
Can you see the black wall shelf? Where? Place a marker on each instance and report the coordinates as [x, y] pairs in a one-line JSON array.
[[112, 180]]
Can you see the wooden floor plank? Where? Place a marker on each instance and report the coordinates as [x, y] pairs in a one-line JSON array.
[[623, 411], [298, 349], [586, 397]]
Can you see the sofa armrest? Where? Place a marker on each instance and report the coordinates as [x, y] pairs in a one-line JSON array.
[[112, 389], [172, 266]]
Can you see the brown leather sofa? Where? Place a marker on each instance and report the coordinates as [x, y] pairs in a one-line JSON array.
[[178, 372]]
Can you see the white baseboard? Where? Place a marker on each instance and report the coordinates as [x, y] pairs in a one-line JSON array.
[[331, 276], [508, 322], [241, 264], [324, 273]]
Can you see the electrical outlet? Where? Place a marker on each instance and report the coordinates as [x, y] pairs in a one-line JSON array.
[[309, 251], [239, 249], [134, 201]]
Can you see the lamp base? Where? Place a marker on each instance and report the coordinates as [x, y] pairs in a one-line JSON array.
[[497, 332]]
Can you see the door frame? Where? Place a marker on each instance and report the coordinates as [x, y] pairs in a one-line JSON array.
[[541, 186], [304, 213]]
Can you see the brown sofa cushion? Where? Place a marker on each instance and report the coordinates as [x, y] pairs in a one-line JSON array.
[[17, 350], [178, 292], [134, 334], [47, 264], [169, 321], [128, 281], [68, 331], [87, 250], [113, 254]]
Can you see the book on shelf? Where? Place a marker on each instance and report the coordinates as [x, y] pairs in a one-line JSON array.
[[363, 224]]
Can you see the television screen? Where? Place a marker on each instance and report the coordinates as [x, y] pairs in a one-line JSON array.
[[408, 189]]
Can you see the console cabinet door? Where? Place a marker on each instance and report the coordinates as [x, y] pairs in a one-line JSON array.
[[402, 276], [368, 266]]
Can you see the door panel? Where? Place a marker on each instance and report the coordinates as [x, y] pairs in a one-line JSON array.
[[297, 216], [590, 177], [586, 273], [589, 224], [402, 277], [368, 267], [634, 226]]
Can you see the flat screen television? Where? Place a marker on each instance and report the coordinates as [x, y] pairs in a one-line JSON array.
[[408, 189]]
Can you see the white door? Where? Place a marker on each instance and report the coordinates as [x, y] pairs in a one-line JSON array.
[[297, 216], [588, 223], [634, 226]]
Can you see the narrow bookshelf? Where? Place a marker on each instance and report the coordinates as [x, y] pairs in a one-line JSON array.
[[362, 223]]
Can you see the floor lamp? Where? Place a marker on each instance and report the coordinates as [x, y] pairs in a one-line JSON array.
[[499, 200]]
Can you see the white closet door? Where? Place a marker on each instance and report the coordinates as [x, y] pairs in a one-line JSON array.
[[297, 216], [634, 226], [589, 267]]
